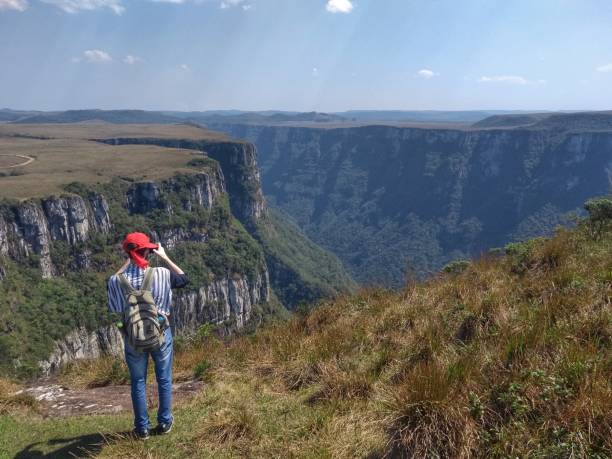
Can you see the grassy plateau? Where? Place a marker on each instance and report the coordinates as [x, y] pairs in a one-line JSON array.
[[65, 153]]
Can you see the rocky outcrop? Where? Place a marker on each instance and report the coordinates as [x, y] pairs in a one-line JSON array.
[[243, 179], [201, 189], [68, 219], [227, 303], [238, 162], [34, 235], [83, 344], [144, 197], [29, 228]]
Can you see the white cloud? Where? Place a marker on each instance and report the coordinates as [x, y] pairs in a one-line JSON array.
[[185, 67], [17, 5], [131, 60], [509, 79], [74, 6], [604, 68], [427, 74], [96, 55], [339, 6], [230, 3], [315, 72]]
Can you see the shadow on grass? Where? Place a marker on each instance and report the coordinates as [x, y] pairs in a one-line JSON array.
[[83, 446]]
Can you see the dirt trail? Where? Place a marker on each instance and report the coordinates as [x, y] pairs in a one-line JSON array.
[[28, 160], [57, 400]]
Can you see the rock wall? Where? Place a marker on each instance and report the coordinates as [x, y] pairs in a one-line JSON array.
[[84, 344], [29, 228], [239, 164], [227, 303]]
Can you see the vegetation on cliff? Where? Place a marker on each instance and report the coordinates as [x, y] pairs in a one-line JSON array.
[[507, 357], [301, 271], [391, 201]]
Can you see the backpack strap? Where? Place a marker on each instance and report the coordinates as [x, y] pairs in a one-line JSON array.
[[148, 279], [125, 284]]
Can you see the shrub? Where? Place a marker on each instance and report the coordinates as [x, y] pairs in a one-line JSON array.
[[520, 254], [600, 215], [456, 266], [201, 369]]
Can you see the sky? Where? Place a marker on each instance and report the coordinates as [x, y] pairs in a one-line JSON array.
[[304, 55]]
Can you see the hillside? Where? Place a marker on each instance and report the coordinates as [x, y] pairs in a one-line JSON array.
[[390, 201], [507, 356], [63, 216]]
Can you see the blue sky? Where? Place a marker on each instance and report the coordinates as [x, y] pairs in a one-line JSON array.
[[324, 55]]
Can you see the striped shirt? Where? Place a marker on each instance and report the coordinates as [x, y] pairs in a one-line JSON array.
[[161, 287]]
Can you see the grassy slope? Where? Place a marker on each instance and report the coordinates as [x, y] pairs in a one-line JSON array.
[[511, 357]]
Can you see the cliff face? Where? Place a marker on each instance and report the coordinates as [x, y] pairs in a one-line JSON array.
[[64, 235], [238, 162], [227, 303], [29, 228], [389, 200]]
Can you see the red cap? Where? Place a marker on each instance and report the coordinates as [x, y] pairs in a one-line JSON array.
[[136, 241]]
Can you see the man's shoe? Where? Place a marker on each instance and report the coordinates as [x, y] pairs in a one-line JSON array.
[[162, 429], [140, 434]]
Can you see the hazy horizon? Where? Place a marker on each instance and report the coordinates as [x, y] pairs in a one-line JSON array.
[[271, 110]]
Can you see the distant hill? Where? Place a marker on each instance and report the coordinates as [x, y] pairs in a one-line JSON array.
[[165, 117], [8, 115], [502, 121], [265, 118], [110, 116], [557, 121], [423, 116], [589, 121]]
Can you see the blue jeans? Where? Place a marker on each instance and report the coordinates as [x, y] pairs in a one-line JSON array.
[[137, 364]]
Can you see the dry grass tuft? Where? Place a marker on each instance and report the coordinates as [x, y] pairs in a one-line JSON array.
[[11, 401], [96, 373]]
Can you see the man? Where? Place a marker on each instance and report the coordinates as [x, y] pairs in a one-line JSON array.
[[139, 247]]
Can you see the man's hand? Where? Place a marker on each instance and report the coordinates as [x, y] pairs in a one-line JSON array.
[[160, 252]]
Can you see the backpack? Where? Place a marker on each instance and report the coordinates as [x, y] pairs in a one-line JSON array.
[[141, 324]]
